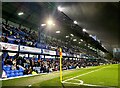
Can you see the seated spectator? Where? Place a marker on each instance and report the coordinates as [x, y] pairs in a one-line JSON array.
[[32, 62], [17, 41], [14, 67], [44, 69], [9, 61], [77, 67], [5, 62], [4, 39], [25, 71], [14, 62], [50, 69], [19, 66], [30, 70]]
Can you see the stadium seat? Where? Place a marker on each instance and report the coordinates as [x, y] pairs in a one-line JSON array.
[[12, 71], [8, 72], [16, 71], [12, 36], [16, 74], [21, 70], [6, 68], [20, 73], [8, 75], [12, 74], [11, 41], [36, 59]]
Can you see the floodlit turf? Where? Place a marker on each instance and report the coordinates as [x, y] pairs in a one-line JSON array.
[[105, 76]]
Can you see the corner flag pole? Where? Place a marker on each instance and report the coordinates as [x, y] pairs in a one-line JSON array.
[[60, 65]]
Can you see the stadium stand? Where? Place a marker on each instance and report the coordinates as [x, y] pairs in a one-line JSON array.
[[19, 66]]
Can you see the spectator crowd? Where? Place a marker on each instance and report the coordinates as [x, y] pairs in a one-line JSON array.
[[44, 65], [23, 36]]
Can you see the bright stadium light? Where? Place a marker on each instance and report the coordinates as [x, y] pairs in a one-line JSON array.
[[81, 40], [43, 25], [75, 22], [60, 8], [71, 34], [53, 24], [66, 36], [50, 22], [74, 39], [57, 32], [20, 13], [84, 30], [90, 35]]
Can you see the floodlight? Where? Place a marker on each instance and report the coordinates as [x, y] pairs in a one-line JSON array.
[[75, 22], [20, 13], [84, 30], [57, 32], [71, 34], [81, 40], [66, 36], [50, 22], [90, 35], [74, 39], [43, 25], [60, 9]]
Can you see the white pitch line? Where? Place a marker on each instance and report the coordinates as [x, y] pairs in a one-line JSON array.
[[72, 83], [84, 74], [81, 82]]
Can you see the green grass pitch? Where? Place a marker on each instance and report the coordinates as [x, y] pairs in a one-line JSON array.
[[105, 76]]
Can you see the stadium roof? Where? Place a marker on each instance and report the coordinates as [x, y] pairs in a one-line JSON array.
[[100, 19]]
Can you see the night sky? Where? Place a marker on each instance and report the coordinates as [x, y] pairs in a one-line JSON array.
[[100, 19]]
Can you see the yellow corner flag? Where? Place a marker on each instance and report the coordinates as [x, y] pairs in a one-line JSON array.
[[60, 65]]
